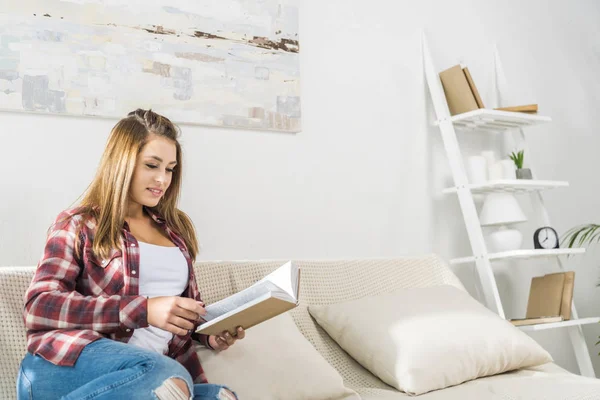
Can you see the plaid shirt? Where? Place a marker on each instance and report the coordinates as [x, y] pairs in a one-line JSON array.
[[75, 300]]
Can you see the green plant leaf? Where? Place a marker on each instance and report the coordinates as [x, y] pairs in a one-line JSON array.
[[586, 233], [595, 237], [517, 158], [576, 234], [581, 235]]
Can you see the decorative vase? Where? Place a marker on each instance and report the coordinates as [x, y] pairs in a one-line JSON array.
[[524, 173], [477, 169]]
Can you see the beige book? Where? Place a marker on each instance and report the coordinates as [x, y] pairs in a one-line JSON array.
[[530, 108], [458, 93], [533, 321], [260, 311], [567, 296], [273, 295], [545, 296], [473, 87]]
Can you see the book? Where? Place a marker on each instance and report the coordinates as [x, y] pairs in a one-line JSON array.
[[458, 92], [530, 108], [545, 296], [533, 321], [473, 88], [275, 294], [567, 295]]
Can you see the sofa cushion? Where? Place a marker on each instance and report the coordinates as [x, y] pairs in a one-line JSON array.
[[331, 282], [422, 339], [274, 361]]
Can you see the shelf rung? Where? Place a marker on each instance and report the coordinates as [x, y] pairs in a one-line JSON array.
[[495, 120], [522, 254], [562, 324], [510, 186]]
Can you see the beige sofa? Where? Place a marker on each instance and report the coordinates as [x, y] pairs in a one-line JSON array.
[[323, 282]]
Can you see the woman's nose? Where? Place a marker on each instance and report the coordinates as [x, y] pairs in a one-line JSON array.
[[160, 178]]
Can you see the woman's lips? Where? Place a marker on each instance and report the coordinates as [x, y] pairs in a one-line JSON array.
[[156, 192]]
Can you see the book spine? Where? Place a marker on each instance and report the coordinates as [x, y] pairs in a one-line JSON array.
[[530, 108], [567, 298], [473, 87], [535, 321]]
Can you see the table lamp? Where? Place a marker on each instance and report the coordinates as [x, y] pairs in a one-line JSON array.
[[501, 210]]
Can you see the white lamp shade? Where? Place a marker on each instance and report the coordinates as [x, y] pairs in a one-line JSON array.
[[500, 209]]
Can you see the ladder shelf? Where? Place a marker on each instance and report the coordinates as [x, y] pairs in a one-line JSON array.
[[486, 121]]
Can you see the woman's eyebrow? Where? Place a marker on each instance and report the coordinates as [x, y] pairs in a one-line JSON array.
[[157, 158]]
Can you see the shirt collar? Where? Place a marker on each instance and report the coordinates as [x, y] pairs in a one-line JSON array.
[[155, 216]]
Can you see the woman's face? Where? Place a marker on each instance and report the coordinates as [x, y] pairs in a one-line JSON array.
[[153, 171]]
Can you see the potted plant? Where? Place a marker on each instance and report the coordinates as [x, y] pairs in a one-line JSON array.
[[581, 235], [522, 173]]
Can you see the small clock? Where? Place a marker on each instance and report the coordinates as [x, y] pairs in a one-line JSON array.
[[545, 238]]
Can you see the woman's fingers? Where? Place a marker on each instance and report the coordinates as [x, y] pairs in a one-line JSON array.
[[174, 329], [181, 322], [190, 309], [221, 342], [187, 314], [228, 338], [241, 333], [184, 313]]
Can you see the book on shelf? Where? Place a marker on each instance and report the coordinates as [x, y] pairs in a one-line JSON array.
[[534, 321], [567, 296], [460, 90], [275, 294], [529, 108], [473, 88], [551, 295]]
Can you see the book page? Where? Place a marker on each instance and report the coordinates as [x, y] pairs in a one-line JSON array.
[[286, 278], [234, 311], [239, 299]]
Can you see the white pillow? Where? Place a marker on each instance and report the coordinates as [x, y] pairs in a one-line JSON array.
[[274, 361], [422, 339]]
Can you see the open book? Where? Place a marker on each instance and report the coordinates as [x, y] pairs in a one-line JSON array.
[[275, 294]]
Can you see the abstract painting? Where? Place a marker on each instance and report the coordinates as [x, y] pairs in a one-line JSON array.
[[227, 63]]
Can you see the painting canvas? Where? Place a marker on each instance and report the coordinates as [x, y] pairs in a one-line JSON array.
[[228, 63]]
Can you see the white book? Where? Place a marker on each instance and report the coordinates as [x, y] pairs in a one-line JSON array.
[[275, 294]]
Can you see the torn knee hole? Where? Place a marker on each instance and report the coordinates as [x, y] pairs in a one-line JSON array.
[[225, 394], [181, 384], [173, 389]]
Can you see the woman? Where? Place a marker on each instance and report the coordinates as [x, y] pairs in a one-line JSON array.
[[113, 306]]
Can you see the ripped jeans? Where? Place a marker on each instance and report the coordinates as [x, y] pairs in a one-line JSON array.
[[107, 369]]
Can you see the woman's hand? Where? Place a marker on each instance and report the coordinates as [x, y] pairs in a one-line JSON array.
[[225, 339], [175, 314]]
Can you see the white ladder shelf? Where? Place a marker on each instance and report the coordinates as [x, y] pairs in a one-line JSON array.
[[485, 120]]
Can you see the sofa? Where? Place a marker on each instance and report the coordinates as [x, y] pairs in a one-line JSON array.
[[322, 282]]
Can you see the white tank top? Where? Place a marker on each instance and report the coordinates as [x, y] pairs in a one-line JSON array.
[[163, 271]]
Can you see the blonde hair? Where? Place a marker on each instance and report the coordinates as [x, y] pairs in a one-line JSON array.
[[107, 196]]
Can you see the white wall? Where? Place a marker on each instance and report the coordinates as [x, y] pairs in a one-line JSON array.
[[363, 178]]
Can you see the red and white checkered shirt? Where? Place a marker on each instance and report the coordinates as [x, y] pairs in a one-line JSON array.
[[75, 300]]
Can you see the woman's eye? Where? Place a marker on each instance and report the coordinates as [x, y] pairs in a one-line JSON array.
[[151, 166], [169, 170]]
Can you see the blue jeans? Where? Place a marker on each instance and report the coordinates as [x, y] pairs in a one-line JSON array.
[[105, 370]]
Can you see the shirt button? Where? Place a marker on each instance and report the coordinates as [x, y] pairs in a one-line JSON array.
[[133, 272], [132, 244], [104, 262], [127, 330]]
